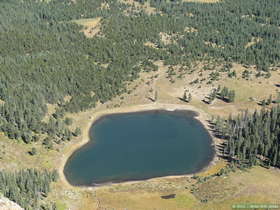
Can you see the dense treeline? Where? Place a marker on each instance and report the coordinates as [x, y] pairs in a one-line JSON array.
[[27, 187], [252, 138], [44, 56]]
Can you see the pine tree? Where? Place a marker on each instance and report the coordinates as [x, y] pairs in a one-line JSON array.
[[185, 96], [224, 93], [77, 132], [277, 98], [231, 96], [212, 96], [33, 151], [263, 103], [269, 100], [275, 156], [156, 96], [219, 88], [189, 97]]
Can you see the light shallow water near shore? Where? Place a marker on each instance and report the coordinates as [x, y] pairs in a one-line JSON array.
[[141, 145]]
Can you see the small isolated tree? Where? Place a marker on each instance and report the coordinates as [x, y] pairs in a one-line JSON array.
[[245, 74], [185, 96], [269, 100], [224, 93], [219, 88], [77, 132], [189, 97], [26, 137], [156, 96], [231, 96], [263, 103], [35, 138], [68, 121], [212, 96], [48, 143], [33, 151], [267, 75]]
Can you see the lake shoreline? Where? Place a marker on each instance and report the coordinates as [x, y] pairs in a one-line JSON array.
[[93, 117]]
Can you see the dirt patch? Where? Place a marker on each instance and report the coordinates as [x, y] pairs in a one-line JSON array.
[[2, 102], [50, 110], [104, 6], [167, 39], [91, 26], [189, 14], [190, 30], [67, 98], [214, 45], [136, 7], [150, 44], [202, 1], [253, 41]]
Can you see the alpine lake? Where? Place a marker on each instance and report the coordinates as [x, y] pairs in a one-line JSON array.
[[140, 145]]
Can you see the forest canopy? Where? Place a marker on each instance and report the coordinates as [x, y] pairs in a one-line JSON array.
[[44, 56], [46, 59]]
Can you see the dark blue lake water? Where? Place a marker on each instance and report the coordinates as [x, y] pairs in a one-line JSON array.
[[141, 145]]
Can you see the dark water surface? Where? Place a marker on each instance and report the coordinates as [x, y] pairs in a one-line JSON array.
[[141, 145]]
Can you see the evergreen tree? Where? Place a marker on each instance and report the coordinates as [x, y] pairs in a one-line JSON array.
[[278, 98], [224, 93], [269, 100], [68, 121], [33, 151], [231, 96], [156, 96], [263, 102], [77, 132], [189, 97], [252, 137], [26, 187], [185, 96]]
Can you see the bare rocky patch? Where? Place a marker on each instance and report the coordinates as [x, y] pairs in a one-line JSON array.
[[150, 44], [91, 26], [6, 204]]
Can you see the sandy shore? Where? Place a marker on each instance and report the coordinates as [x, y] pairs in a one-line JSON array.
[[90, 117]]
